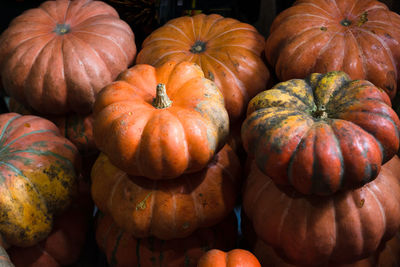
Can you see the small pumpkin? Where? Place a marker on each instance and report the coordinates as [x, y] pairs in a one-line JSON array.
[[38, 170], [313, 230], [160, 122], [358, 37], [228, 51], [167, 209], [233, 258], [321, 134], [124, 250], [55, 58]]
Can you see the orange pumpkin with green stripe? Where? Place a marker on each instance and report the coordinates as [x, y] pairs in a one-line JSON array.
[[321, 134], [124, 250], [37, 175]]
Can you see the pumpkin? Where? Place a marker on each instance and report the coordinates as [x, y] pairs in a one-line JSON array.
[[55, 58], [358, 37], [314, 230], [233, 258], [65, 243], [124, 250], [38, 177], [167, 209], [228, 51], [321, 134], [160, 122]]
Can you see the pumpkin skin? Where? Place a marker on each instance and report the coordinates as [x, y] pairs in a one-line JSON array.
[[55, 58], [232, 258], [321, 134], [358, 37], [227, 50], [155, 140], [66, 241], [124, 250], [167, 209], [38, 172], [313, 230]]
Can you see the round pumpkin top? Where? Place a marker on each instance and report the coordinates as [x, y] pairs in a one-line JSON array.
[[160, 122], [232, 258], [228, 51], [55, 58], [360, 38], [321, 134], [37, 176]]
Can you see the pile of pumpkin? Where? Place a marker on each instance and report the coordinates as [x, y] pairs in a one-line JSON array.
[[157, 140]]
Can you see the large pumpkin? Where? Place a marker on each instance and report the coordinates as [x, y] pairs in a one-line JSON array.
[[124, 250], [38, 177], [312, 230], [160, 122], [227, 50], [233, 258], [167, 209], [55, 58], [358, 37], [321, 134]]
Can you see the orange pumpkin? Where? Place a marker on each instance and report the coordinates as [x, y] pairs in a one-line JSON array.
[[55, 58], [160, 122], [167, 209], [124, 250], [232, 258], [312, 230], [360, 38], [228, 51]]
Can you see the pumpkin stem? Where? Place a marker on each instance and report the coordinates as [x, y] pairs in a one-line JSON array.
[[161, 100], [198, 47], [363, 19], [321, 113], [62, 29]]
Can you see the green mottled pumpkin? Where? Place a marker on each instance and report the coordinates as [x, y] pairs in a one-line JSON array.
[[321, 134], [37, 177]]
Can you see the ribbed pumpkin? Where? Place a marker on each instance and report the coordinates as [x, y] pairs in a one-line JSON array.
[[358, 37], [55, 58], [312, 230], [65, 243], [228, 51], [232, 258], [38, 177], [124, 250], [321, 134], [168, 209], [160, 122]]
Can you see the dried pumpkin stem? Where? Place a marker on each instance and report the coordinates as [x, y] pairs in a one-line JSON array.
[[161, 100]]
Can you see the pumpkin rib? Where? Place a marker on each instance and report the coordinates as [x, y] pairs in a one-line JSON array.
[[325, 48], [178, 30], [317, 7]]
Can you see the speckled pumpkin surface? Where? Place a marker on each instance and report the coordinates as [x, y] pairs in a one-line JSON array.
[[359, 37], [55, 58], [228, 51], [160, 122], [321, 134], [168, 209], [37, 176]]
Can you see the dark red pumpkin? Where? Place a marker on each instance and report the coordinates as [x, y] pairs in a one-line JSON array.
[[360, 38]]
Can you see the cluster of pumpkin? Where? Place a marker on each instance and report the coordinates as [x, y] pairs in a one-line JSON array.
[[157, 133]]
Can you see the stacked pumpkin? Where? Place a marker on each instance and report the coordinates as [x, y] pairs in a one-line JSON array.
[[54, 60], [323, 184], [166, 169]]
